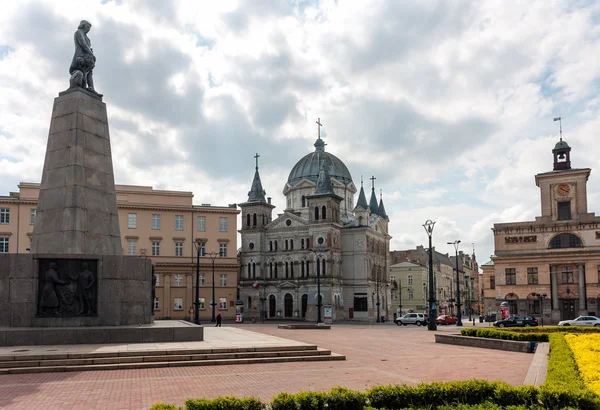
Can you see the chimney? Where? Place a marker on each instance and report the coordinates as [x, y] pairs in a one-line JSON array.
[[269, 200]]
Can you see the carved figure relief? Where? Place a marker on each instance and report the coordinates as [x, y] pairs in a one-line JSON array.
[[67, 288]]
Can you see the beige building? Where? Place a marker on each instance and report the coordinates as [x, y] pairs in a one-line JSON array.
[[163, 226], [557, 255], [409, 287]]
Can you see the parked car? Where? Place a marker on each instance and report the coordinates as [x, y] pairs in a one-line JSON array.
[[517, 321], [446, 320], [412, 319], [581, 321]]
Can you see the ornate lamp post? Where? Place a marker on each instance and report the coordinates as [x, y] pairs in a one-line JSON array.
[[197, 301], [458, 305], [431, 325], [213, 256], [318, 253]]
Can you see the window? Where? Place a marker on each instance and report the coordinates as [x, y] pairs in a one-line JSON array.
[[4, 215], [316, 213], [511, 276], [411, 294], [156, 304], [179, 222], [567, 275], [566, 240], [201, 278], [201, 303], [131, 247], [223, 303], [360, 302], [533, 307], [32, 215], [512, 307], [178, 248], [223, 224], [155, 248], [223, 250], [248, 220], [492, 282], [155, 221], [323, 212], [254, 219], [178, 280], [203, 249], [157, 278], [410, 279], [178, 304], [3, 245], [564, 210], [223, 280], [132, 221], [201, 222], [532, 276]]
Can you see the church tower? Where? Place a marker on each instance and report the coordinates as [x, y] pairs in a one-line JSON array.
[[361, 210], [324, 204]]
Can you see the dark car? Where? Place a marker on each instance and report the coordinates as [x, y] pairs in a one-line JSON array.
[[446, 320], [514, 321]]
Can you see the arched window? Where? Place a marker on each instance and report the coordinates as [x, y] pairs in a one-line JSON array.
[[275, 245], [324, 268], [286, 244], [565, 240], [302, 269], [254, 219], [249, 270], [271, 270], [287, 270], [291, 244], [248, 220], [302, 243], [303, 201], [276, 270], [316, 213], [411, 294], [292, 269], [253, 270], [318, 266], [323, 212], [307, 268], [271, 246]]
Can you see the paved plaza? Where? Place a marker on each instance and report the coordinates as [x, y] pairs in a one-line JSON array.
[[376, 354]]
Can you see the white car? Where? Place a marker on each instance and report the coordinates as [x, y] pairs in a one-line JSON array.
[[581, 321], [412, 319]]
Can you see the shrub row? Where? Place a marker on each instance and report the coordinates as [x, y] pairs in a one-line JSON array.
[[471, 394], [554, 329], [504, 335]]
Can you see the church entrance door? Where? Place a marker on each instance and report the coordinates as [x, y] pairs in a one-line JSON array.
[[288, 305], [272, 306], [304, 305], [568, 309]]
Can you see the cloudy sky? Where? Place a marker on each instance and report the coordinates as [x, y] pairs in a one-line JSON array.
[[448, 103]]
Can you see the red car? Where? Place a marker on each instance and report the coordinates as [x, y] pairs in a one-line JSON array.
[[445, 320]]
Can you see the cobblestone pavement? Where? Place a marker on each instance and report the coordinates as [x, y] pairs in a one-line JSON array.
[[375, 355]]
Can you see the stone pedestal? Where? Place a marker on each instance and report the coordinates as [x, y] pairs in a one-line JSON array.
[[77, 206]]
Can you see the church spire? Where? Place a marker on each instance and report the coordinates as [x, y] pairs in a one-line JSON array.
[[373, 202], [362, 199], [257, 193], [324, 180], [381, 209]]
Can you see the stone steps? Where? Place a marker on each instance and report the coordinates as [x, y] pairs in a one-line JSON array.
[[152, 359]]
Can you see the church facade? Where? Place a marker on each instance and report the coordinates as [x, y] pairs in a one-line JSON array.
[[322, 243]]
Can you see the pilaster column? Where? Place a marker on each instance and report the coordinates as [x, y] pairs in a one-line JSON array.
[[554, 281], [581, 269]]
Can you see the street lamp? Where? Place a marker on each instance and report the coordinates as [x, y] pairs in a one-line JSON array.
[[197, 301], [431, 325], [458, 305], [541, 298], [213, 255], [318, 253]]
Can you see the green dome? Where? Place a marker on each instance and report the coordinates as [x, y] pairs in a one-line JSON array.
[[561, 145]]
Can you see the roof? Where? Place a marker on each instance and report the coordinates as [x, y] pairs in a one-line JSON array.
[[362, 199], [489, 263], [257, 193], [406, 265], [308, 167], [381, 209], [561, 145], [373, 203]]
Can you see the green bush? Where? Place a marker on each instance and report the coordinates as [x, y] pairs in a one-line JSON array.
[[224, 403], [505, 335], [340, 398], [164, 406], [553, 329]]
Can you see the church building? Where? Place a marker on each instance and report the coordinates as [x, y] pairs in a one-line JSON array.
[[321, 241], [549, 268]]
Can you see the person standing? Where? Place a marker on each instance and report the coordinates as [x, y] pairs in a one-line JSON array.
[[218, 320]]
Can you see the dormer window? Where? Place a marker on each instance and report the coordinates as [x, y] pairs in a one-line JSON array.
[[563, 210]]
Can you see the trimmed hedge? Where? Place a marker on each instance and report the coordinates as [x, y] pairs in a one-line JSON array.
[[504, 335], [552, 329]]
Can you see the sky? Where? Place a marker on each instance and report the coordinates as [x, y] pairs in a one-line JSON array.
[[449, 104]]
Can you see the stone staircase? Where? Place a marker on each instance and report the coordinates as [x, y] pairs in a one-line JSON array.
[[22, 362]]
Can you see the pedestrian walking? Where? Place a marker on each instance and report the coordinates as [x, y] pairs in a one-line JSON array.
[[218, 320]]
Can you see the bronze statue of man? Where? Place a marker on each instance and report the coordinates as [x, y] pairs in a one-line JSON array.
[[84, 59]]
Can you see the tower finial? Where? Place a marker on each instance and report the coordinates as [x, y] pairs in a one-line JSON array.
[[256, 158], [380, 193], [373, 182], [319, 127], [361, 181], [559, 119]]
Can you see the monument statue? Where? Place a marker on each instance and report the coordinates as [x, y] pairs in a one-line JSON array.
[[84, 60], [48, 299]]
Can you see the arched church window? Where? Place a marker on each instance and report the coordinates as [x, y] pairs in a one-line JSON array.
[[316, 213], [302, 243], [271, 270], [324, 269], [275, 245], [248, 220], [565, 240], [271, 246], [249, 270], [292, 269], [253, 270], [291, 244], [323, 212], [286, 244], [254, 219], [302, 269], [275, 270], [318, 266], [287, 271], [307, 269], [303, 201]]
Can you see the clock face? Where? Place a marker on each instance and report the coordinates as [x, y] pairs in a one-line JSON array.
[[563, 189]]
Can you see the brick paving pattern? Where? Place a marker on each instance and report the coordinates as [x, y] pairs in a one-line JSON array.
[[375, 355]]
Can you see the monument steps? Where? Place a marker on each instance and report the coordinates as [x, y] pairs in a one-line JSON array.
[[154, 359]]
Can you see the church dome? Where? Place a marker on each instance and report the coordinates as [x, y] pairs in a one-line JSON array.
[[561, 145], [308, 167]]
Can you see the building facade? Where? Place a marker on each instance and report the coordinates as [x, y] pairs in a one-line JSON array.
[[409, 282], [164, 226], [550, 267], [320, 240]]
